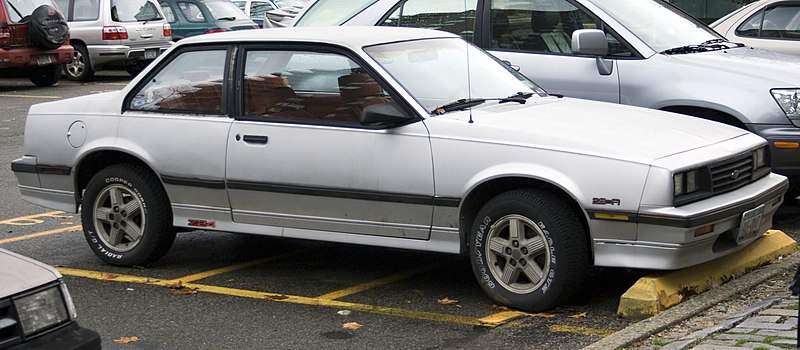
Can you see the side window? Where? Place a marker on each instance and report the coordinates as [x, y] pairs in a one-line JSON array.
[[543, 26], [190, 83], [192, 12], [307, 86], [751, 26], [168, 14], [781, 22], [85, 10], [63, 5], [454, 16]]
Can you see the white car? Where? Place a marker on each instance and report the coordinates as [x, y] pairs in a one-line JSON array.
[[765, 24], [395, 137]]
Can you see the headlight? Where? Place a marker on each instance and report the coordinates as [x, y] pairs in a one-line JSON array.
[[789, 100], [41, 310], [760, 158], [686, 182]]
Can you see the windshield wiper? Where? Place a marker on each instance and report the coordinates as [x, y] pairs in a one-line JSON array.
[[708, 45], [226, 19], [464, 103]]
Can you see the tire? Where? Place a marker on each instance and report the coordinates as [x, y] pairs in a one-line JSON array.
[[80, 68], [45, 76], [47, 28], [126, 216], [538, 270]]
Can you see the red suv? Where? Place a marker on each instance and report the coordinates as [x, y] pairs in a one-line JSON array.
[[34, 37]]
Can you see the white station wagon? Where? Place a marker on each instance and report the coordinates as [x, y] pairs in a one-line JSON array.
[[393, 137]]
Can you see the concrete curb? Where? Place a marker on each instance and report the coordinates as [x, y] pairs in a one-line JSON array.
[[647, 327], [658, 292]]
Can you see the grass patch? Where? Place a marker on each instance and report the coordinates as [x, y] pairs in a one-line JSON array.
[[658, 341]]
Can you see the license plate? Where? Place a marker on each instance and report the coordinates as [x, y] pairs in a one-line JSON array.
[[44, 60], [751, 222], [150, 54]]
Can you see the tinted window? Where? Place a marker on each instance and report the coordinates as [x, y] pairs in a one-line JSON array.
[[190, 83], [454, 16], [309, 86], [134, 11], [192, 12], [168, 14], [780, 22], [85, 10], [543, 26], [332, 12], [224, 9]]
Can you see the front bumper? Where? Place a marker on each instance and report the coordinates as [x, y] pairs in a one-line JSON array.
[[676, 237], [108, 55], [70, 337]]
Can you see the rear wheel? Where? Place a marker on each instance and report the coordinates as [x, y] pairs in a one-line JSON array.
[[46, 75], [528, 250], [80, 68], [126, 216]]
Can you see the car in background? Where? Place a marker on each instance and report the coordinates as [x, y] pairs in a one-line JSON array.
[[113, 34], [195, 17], [645, 53], [36, 310], [766, 24], [256, 9], [34, 38], [395, 137], [284, 15]]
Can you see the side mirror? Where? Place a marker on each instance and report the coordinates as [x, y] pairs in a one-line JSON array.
[[383, 114], [590, 42], [593, 42]]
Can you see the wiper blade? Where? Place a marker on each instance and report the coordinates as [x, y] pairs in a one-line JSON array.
[[226, 19], [464, 103], [708, 45]]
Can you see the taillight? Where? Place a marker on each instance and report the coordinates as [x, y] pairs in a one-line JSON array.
[[216, 30], [167, 29], [5, 37], [115, 33]]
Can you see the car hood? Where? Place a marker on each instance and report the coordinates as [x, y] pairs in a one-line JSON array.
[[759, 64], [596, 128], [20, 273]]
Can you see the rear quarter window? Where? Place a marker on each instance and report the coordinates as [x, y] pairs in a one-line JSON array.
[[134, 11]]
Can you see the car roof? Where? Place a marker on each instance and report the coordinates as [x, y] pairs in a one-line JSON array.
[[353, 36]]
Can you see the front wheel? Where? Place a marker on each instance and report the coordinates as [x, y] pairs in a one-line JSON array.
[[528, 250], [126, 216]]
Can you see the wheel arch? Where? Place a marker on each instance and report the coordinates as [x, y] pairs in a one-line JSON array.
[[479, 195], [707, 113], [94, 161]]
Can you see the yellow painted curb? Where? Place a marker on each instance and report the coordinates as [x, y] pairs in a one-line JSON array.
[[655, 293]]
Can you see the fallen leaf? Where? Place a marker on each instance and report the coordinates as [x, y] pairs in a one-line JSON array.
[[500, 308], [184, 291], [175, 285], [276, 297], [351, 326], [108, 276], [446, 301], [126, 340], [580, 315], [66, 223], [545, 315], [709, 324]]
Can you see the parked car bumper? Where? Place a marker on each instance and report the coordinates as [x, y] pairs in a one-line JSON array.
[[34, 57], [675, 237], [101, 55], [786, 159], [70, 337], [29, 173]]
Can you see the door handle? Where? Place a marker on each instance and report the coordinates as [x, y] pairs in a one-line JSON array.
[[259, 139]]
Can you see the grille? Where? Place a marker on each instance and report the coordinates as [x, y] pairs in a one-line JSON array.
[[732, 173], [10, 331]]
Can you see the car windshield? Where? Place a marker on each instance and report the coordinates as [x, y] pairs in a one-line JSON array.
[[658, 24], [19, 9], [224, 10], [331, 13], [134, 11], [440, 71]]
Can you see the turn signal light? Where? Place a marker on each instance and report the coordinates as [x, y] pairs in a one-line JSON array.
[[787, 145], [704, 230]]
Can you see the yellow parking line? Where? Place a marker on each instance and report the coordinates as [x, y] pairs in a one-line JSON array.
[[33, 219], [244, 265], [30, 96], [421, 315], [376, 283], [581, 330], [40, 234]]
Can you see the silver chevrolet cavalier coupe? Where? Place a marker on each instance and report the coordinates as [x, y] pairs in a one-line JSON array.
[[404, 138]]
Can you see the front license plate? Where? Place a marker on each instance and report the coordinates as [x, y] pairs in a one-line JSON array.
[[44, 60], [150, 54], [751, 221]]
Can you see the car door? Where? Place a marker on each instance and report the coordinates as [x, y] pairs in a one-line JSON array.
[[176, 118], [298, 157]]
